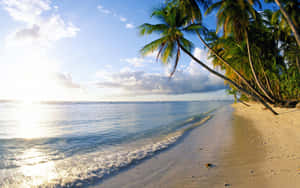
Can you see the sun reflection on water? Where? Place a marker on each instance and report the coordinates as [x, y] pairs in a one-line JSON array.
[[29, 117], [36, 168]]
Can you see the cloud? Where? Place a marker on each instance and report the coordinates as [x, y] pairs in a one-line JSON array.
[[32, 32], [188, 79], [26, 10], [31, 84], [31, 71], [103, 10], [64, 80], [141, 61], [203, 56], [123, 19], [138, 61], [139, 82], [129, 26], [153, 54], [43, 24]]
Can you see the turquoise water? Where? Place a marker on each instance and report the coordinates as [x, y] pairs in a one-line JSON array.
[[78, 144]]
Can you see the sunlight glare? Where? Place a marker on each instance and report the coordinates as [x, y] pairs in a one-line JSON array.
[[37, 168], [30, 116], [33, 77]]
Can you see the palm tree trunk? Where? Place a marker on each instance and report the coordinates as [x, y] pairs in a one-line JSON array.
[[297, 64], [227, 79], [227, 64], [288, 19], [267, 80], [253, 71], [244, 103], [268, 85]]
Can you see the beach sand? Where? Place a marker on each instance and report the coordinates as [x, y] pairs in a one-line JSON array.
[[247, 146]]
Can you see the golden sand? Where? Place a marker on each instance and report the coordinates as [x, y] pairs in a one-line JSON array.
[[247, 147]]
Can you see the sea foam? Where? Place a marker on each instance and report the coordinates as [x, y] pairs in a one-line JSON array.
[[87, 169]]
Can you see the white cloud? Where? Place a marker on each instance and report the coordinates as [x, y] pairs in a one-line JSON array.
[[153, 54], [141, 61], [37, 79], [26, 10], [32, 32], [137, 61], [202, 55], [29, 72], [40, 29], [64, 80], [103, 10], [188, 79], [123, 19], [108, 66], [142, 83], [129, 26]]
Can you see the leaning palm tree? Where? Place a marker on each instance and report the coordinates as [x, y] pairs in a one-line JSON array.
[[173, 25], [191, 9], [234, 17]]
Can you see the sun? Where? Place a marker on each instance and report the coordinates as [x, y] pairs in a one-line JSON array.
[[33, 79]]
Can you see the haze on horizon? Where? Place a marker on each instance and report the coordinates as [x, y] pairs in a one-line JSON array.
[[59, 50]]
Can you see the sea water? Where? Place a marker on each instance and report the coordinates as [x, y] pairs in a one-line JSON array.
[[76, 144]]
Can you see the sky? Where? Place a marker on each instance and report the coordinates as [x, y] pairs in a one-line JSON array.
[[88, 50]]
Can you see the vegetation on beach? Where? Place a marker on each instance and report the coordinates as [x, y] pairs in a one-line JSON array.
[[257, 49]]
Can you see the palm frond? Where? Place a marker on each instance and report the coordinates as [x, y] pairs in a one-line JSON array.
[[147, 29], [152, 46]]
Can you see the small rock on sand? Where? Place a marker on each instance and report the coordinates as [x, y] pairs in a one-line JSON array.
[[209, 165]]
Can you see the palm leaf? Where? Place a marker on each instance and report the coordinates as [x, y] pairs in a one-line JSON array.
[[152, 46]]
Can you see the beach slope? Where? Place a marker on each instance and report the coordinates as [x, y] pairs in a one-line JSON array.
[[246, 147], [269, 157]]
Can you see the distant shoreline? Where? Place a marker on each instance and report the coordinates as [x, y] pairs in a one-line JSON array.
[[86, 102]]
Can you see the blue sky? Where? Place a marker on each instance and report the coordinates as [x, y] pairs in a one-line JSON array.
[[88, 50]]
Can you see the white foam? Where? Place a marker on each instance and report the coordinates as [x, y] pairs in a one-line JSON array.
[[83, 169], [87, 168]]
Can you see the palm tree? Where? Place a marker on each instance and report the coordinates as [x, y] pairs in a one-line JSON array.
[[171, 29], [171, 32], [234, 17], [286, 50], [288, 18], [291, 10], [193, 12]]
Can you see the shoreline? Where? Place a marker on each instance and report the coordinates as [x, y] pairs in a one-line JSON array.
[[248, 147], [179, 163]]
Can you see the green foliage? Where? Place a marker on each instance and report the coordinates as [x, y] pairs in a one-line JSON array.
[[171, 30], [274, 50]]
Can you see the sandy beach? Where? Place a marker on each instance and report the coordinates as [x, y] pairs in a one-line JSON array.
[[247, 147], [270, 156]]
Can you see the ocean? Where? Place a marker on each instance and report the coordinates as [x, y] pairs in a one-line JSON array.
[[77, 144]]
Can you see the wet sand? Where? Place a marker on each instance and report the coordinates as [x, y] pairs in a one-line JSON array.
[[248, 147]]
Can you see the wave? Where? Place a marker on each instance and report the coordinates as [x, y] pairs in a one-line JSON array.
[[89, 168]]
